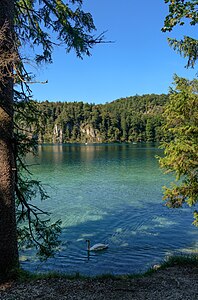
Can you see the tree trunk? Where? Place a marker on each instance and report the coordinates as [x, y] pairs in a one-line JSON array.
[[8, 235]]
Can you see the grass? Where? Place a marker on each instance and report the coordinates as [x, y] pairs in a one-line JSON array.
[[24, 276], [182, 260]]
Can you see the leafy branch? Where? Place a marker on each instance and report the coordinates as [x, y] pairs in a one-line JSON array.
[[180, 146], [181, 11]]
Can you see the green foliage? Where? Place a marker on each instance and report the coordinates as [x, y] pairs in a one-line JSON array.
[[181, 144], [181, 115], [179, 12], [35, 20], [188, 47]]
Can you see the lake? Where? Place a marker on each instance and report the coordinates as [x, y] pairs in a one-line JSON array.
[[109, 193]]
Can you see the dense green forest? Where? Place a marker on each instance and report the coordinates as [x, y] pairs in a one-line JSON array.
[[131, 119]]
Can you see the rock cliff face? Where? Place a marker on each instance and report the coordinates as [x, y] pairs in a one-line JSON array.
[[85, 133], [90, 134], [57, 134]]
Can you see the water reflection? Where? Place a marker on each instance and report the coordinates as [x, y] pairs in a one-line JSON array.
[[92, 152]]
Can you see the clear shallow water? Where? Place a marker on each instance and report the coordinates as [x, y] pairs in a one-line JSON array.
[[112, 194]]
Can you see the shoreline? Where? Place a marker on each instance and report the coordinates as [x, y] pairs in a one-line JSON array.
[[175, 279], [172, 283]]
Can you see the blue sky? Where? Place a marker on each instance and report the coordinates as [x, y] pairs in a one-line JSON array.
[[138, 62]]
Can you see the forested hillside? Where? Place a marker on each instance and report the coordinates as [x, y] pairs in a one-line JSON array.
[[131, 119]]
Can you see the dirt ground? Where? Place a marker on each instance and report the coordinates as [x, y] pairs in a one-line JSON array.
[[173, 283]]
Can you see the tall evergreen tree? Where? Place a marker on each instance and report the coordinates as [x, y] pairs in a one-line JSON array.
[[181, 144], [8, 236], [25, 22], [180, 116]]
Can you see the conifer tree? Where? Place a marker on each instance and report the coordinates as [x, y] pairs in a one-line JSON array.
[[29, 23], [181, 114], [181, 144]]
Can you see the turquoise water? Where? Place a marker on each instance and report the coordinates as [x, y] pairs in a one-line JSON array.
[[110, 194]]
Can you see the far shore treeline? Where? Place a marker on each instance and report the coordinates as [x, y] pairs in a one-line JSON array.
[[131, 119]]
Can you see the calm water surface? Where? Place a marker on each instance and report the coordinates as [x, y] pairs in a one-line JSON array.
[[110, 194]]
